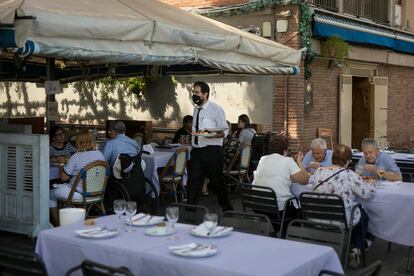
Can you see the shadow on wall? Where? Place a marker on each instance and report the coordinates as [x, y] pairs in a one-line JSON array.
[[159, 96]]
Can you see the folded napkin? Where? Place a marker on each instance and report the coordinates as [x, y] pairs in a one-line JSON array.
[[194, 250], [146, 219], [201, 230], [97, 232]]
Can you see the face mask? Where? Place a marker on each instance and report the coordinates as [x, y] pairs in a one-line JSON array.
[[197, 99]]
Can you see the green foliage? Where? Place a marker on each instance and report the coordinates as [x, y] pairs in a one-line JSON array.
[[335, 47], [306, 35], [135, 85]]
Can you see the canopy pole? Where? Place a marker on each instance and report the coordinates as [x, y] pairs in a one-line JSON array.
[[50, 76]]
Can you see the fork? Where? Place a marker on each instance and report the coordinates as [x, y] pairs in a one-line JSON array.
[[148, 220], [102, 229], [197, 248]]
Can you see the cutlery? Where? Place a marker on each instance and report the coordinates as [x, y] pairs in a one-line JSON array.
[[137, 219], [148, 220], [219, 231], [100, 230], [199, 247]]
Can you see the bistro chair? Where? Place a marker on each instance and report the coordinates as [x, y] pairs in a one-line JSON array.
[[373, 269], [93, 178], [139, 138], [329, 208], [90, 268], [247, 222], [327, 135], [317, 233], [19, 262], [190, 214], [263, 200], [171, 176], [239, 173]]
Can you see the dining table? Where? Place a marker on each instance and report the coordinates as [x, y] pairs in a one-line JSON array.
[[389, 210], [237, 254], [397, 156]]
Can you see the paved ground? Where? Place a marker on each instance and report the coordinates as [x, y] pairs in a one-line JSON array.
[[394, 262]]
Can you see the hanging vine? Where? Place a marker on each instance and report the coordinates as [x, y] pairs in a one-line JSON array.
[[306, 35]]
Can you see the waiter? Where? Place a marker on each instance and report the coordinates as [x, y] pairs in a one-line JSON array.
[[207, 153]]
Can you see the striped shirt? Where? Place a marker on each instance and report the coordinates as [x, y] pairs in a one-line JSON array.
[[67, 150]]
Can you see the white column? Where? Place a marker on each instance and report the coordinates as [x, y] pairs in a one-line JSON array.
[[340, 5]]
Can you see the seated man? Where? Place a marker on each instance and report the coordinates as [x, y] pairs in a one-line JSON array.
[[375, 162], [318, 156], [121, 144], [183, 135]]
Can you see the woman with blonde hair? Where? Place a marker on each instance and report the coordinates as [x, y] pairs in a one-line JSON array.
[[85, 155]]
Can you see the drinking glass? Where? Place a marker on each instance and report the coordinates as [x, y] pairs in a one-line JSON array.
[[380, 172], [210, 222], [130, 210], [119, 208], [359, 169], [172, 216]]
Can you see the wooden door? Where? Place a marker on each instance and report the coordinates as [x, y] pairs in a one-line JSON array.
[[361, 91]]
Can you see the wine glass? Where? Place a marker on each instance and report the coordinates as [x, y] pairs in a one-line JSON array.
[[172, 216], [210, 222], [359, 169], [119, 208], [380, 172], [130, 210]]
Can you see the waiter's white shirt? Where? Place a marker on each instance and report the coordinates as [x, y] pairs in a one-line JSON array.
[[211, 116]]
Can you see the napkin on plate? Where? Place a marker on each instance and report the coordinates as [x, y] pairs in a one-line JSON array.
[[201, 230], [143, 219], [194, 249]]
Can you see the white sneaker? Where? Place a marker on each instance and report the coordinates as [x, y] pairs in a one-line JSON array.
[[355, 258]]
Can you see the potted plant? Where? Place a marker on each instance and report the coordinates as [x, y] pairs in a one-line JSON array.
[[336, 48]]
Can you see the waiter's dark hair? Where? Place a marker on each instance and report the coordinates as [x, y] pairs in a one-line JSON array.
[[204, 88]]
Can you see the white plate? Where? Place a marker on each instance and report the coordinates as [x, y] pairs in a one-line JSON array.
[[204, 134], [97, 233], [218, 233], [196, 253], [144, 221], [159, 231]]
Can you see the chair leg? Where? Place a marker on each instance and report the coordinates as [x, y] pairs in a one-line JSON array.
[[410, 256]]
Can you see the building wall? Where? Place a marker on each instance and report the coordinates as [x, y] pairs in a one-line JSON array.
[[202, 3]]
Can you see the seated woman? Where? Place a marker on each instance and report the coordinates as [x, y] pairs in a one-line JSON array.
[[59, 149], [337, 179], [277, 171], [246, 134], [85, 155], [183, 135], [230, 147]]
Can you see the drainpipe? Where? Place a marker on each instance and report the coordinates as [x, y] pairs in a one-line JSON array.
[[285, 122]]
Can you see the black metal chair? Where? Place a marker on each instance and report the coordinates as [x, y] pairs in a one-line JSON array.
[[246, 222], [90, 268], [263, 200], [329, 208], [317, 233], [20, 263], [191, 214]]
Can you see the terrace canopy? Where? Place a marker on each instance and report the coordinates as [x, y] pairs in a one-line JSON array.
[[92, 39]]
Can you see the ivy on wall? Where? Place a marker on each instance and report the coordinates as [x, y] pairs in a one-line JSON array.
[[306, 35]]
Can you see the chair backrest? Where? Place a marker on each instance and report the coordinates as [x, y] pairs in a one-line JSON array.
[[260, 146], [17, 262], [139, 138], [327, 135], [259, 199], [317, 233], [90, 268], [178, 161], [94, 177], [245, 155], [247, 222], [373, 269], [325, 207], [190, 214]]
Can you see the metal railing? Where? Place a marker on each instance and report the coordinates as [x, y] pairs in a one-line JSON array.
[[327, 4], [376, 10]]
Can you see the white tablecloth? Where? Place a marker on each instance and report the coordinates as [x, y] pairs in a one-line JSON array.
[[390, 211], [239, 253]]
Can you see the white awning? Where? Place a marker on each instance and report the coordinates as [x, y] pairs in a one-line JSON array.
[[139, 32]]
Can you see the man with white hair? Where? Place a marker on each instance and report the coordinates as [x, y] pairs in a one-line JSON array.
[[375, 162], [318, 156]]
